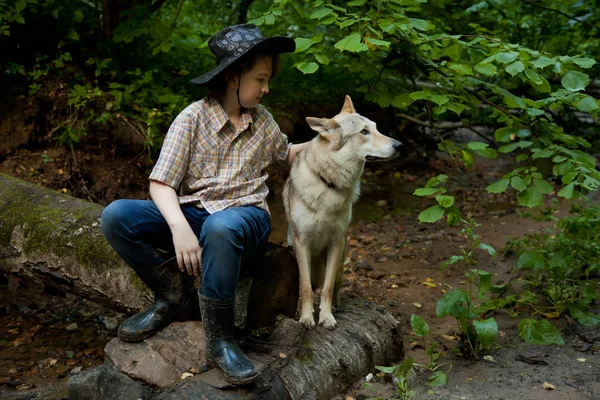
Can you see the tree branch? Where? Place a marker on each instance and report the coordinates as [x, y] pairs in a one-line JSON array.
[[428, 124], [531, 3]]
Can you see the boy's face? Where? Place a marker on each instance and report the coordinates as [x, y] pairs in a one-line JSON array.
[[255, 82]]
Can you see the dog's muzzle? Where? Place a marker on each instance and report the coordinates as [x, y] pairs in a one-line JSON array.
[[396, 146]]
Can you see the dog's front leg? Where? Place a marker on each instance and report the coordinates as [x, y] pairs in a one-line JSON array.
[[303, 257], [334, 262]]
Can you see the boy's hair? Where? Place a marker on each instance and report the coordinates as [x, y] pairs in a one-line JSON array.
[[217, 85]]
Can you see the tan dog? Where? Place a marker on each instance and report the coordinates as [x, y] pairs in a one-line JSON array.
[[323, 184]]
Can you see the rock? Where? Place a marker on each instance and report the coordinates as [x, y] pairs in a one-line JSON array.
[[110, 323], [71, 327], [104, 383], [363, 265], [375, 274], [161, 359]]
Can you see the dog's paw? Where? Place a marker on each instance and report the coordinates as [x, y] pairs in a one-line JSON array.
[[308, 321], [327, 321]]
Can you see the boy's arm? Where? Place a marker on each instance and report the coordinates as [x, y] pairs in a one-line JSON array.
[[187, 249], [294, 150]]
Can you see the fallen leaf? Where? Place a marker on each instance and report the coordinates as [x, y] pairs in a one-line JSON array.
[[489, 358], [282, 355], [194, 371], [581, 359], [186, 375], [429, 284], [548, 386], [394, 286], [417, 305]]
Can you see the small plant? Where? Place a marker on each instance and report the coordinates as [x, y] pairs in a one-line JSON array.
[[401, 375], [476, 333], [421, 329], [558, 270]]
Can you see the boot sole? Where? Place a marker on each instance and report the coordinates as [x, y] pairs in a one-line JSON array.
[[135, 337]]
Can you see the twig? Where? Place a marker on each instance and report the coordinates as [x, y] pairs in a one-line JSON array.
[[576, 388], [531, 3], [441, 138], [441, 125]]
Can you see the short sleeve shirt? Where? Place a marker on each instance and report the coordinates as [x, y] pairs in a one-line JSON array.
[[214, 164]]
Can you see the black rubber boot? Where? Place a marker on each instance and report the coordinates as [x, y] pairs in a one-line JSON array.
[[171, 303], [221, 348]]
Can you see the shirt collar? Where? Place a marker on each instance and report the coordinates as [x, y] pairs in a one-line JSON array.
[[219, 118]]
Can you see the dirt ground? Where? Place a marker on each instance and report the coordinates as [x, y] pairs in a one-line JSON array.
[[392, 260]]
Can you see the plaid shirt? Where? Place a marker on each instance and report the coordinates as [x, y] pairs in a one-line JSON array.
[[215, 165]]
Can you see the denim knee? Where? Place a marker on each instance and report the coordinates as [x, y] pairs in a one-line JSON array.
[[217, 228], [112, 217]]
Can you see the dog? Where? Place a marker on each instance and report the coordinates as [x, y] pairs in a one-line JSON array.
[[323, 184]]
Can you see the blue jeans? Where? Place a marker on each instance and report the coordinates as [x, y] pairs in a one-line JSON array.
[[140, 235]]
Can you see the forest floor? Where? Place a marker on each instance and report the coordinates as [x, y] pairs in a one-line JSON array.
[[392, 260]]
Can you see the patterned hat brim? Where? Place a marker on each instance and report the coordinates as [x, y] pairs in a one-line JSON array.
[[272, 45]]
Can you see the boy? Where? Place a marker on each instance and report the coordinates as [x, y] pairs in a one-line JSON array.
[[214, 154]]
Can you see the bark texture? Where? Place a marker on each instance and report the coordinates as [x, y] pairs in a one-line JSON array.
[[55, 240]]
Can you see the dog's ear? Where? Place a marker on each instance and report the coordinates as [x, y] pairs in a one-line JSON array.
[[348, 106], [326, 127]]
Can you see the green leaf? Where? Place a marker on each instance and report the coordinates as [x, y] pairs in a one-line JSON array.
[[543, 186], [347, 23], [20, 5], [507, 57], [504, 134], [450, 303], [461, 68], [531, 197], [426, 191], [539, 332], [75, 36], [515, 68], [532, 259], [518, 183], [303, 44], [308, 67], [546, 153], [432, 214], [419, 325], [491, 251], [534, 112], [356, 3], [542, 62], [487, 331], [323, 59], [445, 201], [320, 13], [438, 378], [477, 145], [486, 69], [575, 81], [352, 43], [452, 260], [498, 187], [377, 42], [587, 104], [568, 191], [385, 370], [583, 62], [419, 24]]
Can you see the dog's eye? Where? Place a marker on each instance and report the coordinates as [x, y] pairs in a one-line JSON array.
[[365, 132]]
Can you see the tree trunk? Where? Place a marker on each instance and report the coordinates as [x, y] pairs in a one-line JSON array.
[[55, 240]]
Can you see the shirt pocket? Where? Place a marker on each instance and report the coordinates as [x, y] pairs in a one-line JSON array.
[[203, 169]]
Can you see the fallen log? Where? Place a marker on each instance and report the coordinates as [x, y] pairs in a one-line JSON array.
[[50, 239], [294, 363]]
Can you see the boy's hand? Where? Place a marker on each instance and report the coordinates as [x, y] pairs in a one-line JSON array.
[[187, 249]]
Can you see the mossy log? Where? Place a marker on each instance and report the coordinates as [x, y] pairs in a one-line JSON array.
[[52, 239]]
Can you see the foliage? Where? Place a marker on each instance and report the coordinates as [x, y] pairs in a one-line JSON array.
[[476, 333], [559, 266], [401, 375], [421, 329], [423, 67]]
